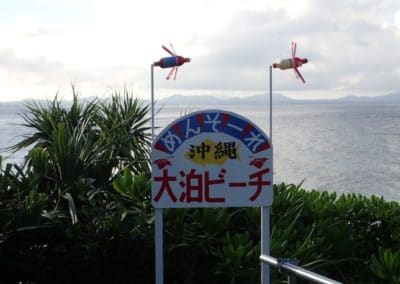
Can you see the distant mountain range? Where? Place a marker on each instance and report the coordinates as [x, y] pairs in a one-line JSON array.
[[277, 99], [221, 100], [390, 98], [261, 99]]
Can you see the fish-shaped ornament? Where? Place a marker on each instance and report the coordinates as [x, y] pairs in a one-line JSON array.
[[292, 63], [172, 61]]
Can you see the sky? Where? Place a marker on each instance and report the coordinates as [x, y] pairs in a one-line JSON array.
[[104, 46]]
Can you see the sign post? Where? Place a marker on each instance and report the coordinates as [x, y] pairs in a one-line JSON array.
[[158, 226], [265, 220], [173, 62], [212, 158]]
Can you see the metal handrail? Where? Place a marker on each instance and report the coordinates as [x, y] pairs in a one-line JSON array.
[[297, 270]]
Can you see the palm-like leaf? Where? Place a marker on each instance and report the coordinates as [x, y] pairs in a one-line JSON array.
[[74, 151], [43, 119], [124, 125]]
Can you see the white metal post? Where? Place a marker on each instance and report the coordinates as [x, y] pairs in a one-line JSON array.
[[270, 103], [152, 101], [158, 211], [265, 211], [159, 246], [264, 243]]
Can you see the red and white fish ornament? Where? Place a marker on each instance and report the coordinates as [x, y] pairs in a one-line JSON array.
[[292, 63]]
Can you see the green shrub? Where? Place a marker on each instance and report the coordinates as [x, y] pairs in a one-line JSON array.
[[386, 265]]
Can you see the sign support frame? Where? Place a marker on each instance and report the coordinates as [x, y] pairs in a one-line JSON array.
[[265, 210]]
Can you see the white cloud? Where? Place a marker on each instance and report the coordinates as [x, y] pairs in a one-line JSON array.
[[352, 46], [397, 19]]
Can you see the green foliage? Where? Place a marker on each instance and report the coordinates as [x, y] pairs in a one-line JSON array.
[[124, 126], [332, 235], [59, 210], [43, 120], [387, 265], [236, 258], [135, 206]]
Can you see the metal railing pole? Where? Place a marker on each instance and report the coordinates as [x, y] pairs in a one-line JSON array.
[[297, 270]]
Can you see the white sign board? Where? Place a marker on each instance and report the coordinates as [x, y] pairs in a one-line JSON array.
[[211, 158]]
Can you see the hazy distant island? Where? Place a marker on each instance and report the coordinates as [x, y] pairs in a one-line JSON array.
[[261, 99], [258, 99]]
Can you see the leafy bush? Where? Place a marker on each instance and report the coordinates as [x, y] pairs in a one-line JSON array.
[[59, 210], [387, 265]]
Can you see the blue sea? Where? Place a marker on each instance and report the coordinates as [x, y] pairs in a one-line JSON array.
[[338, 147]]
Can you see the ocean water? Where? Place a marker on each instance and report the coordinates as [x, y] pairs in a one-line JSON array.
[[335, 147], [11, 130]]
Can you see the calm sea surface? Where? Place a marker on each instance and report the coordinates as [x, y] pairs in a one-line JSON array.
[[336, 147]]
